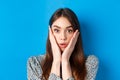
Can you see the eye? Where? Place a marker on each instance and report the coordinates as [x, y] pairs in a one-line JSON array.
[[56, 30], [70, 31]]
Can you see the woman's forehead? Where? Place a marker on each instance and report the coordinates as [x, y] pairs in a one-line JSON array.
[[62, 22]]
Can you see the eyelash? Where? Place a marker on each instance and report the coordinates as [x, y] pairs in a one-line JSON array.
[[70, 30], [57, 30]]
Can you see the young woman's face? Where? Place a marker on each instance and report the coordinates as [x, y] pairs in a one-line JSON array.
[[63, 32]]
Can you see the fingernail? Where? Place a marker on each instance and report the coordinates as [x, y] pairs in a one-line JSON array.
[[77, 30]]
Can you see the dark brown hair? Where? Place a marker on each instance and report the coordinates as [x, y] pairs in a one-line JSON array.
[[77, 59]]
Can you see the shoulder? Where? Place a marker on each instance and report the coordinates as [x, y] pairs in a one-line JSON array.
[[92, 63], [34, 69], [35, 62], [35, 59]]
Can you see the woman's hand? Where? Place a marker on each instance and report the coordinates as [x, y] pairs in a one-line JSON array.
[[69, 49], [55, 48], [66, 68], [56, 54], [64, 57]]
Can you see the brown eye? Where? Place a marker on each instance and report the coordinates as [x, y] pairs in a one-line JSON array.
[[56, 30], [70, 31]]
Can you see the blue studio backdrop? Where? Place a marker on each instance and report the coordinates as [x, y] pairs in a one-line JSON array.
[[24, 30]]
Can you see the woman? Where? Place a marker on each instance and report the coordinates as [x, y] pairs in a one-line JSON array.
[[64, 58]]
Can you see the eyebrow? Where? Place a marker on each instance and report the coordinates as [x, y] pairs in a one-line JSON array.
[[60, 27]]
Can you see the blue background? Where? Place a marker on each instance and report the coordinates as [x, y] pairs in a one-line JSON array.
[[24, 30]]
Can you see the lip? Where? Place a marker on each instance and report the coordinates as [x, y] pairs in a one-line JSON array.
[[63, 45]]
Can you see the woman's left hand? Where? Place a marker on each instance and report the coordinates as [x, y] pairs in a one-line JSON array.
[[69, 49]]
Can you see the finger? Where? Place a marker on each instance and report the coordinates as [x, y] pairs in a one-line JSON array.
[[75, 33], [50, 33], [71, 44], [74, 39], [52, 38]]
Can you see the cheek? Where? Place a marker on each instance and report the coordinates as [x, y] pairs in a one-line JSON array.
[[70, 37], [56, 37]]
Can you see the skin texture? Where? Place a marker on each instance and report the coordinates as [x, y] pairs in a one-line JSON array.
[[61, 32]]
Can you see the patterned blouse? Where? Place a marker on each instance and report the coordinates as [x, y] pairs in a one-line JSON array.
[[34, 70]]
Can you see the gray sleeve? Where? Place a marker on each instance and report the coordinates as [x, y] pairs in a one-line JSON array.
[[34, 70], [92, 67], [71, 78], [54, 77]]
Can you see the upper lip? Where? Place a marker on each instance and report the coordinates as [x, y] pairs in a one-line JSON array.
[[63, 43]]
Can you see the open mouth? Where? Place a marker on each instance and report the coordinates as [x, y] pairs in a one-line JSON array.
[[63, 45]]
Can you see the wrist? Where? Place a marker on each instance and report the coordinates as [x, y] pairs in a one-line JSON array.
[[65, 64], [66, 70], [56, 61], [65, 60], [56, 68]]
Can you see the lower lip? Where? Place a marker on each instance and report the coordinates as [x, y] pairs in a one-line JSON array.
[[63, 45]]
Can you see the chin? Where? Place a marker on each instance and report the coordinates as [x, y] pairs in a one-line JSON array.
[[62, 49]]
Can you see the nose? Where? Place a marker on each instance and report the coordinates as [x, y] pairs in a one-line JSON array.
[[63, 36]]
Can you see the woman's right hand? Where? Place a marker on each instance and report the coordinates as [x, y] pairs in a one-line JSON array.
[[56, 54], [55, 48]]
